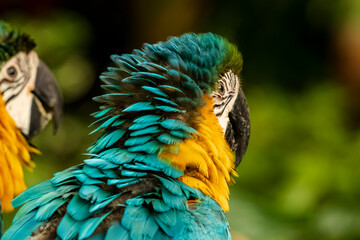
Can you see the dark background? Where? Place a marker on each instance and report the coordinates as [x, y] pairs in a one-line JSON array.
[[300, 177]]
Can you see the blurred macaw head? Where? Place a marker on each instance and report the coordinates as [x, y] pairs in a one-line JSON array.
[[27, 85], [29, 98]]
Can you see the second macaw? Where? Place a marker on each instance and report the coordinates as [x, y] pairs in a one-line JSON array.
[[29, 98]]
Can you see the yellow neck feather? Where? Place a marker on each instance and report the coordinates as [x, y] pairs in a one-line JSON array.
[[14, 152], [206, 159]]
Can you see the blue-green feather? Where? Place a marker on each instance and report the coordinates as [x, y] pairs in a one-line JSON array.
[[121, 185], [117, 231], [145, 125], [100, 163], [123, 64], [150, 147], [164, 100], [22, 228], [88, 228], [155, 91], [152, 67], [33, 193], [169, 223], [102, 112], [168, 139], [93, 193], [117, 156], [100, 205], [147, 119], [84, 178], [139, 106], [173, 124], [149, 130], [172, 186], [128, 173], [133, 141], [48, 209], [172, 88], [160, 206], [98, 120], [138, 81], [121, 180], [25, 209], [180, 134], [100, 236], [169, 109], [79, 208], [93, 172], [68, 228], [108, 123], [149, 74]]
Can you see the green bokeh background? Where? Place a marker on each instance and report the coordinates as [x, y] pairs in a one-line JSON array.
[[300, 177]]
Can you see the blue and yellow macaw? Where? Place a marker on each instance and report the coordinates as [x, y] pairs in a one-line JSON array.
[[171, 121], [29, 98]]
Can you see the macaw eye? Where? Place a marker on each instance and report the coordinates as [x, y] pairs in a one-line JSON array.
[[221, 88], [11, 71]]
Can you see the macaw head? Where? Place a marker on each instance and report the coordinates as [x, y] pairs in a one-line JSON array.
[[27, 85], [231, 110], [29, 98]]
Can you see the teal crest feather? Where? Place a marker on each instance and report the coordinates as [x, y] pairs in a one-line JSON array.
[[13, 41], [124, 190]]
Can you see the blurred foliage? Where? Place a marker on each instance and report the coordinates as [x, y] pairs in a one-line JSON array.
[[300, 177]]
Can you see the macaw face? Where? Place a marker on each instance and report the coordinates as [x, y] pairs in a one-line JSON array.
[[29, 90], [230, 108]]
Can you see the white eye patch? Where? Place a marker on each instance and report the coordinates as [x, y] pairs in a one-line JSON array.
[[225, 96], [17, 80]]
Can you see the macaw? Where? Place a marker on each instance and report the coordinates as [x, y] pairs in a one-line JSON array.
[[175, 124], [29, 98]]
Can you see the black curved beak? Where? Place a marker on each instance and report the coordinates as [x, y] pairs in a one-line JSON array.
[[47, 101], [237, 132]]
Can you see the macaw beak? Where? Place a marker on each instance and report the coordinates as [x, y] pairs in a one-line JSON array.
[[46, 103], [238, 131]]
